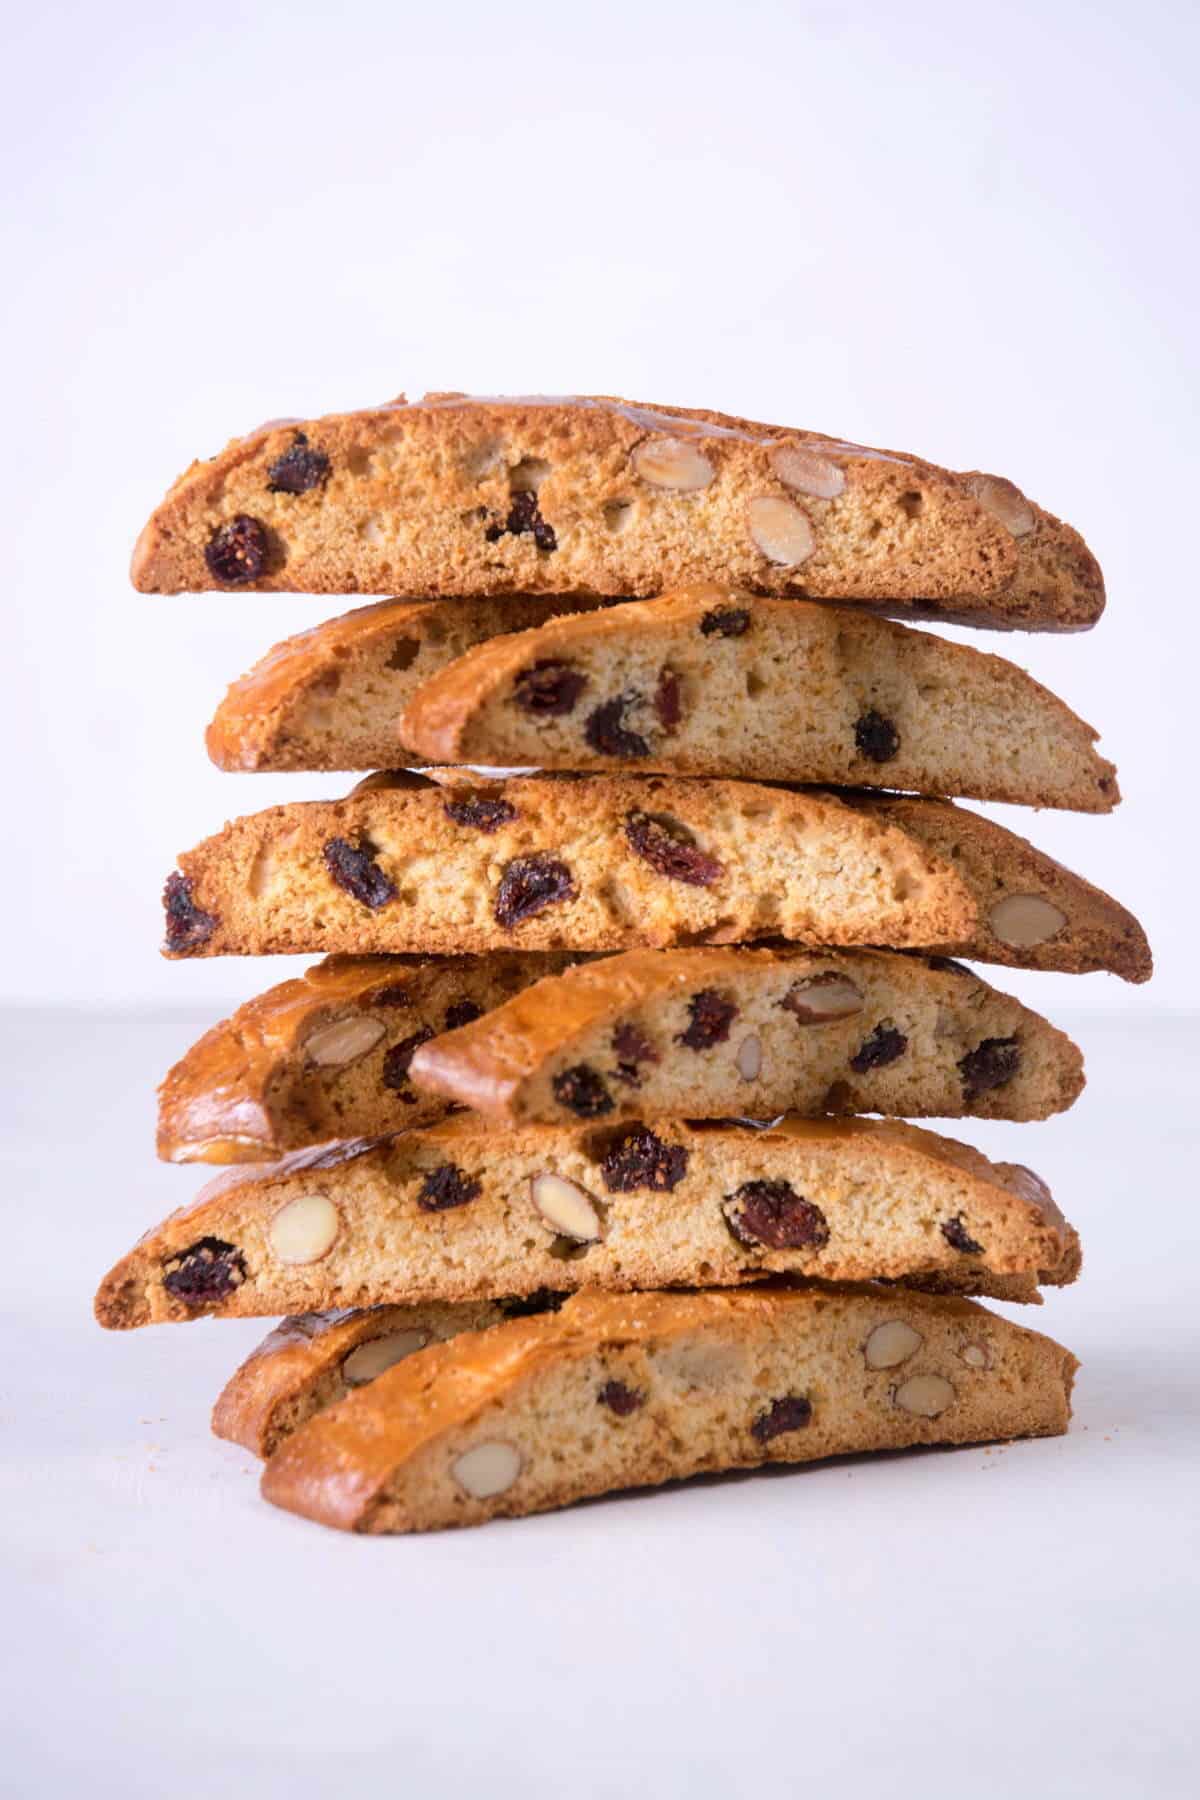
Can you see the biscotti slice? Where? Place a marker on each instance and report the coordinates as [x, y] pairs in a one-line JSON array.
[[453, 495], [602, 862], [314, 1359], [330, 698], [327, 1055], [712, 1033], [619, 1392], [460, 1212], [1031, 913], [710, 681]]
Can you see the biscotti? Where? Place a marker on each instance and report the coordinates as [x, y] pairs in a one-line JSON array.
[[619, 1392], [456, 1212], [327, 1056], [1031, 913], [454, 495], [313, 1360], [716, 1032], [710, 681], [603, 862], [330, 698]]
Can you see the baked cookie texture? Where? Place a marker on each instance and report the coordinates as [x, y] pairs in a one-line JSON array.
[[327, 1055], [712, 1033], [627, 1391], [312, 1360], [329, 698], [711, 681], [601, 862], [458, 1212], [601, 496]]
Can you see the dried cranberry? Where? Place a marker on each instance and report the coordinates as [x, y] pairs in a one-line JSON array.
[[188, 925], [726, 621], [959, 1238], [447, 1187], [549, 689], [989, 1065], [582, 1092], [355, 870], [774, 1214], [620, 1399], [632, 1049], [206, 1272], [462, 1012], [298, 469], [398, 1061], [883, 1046], [668, 702], [523, 1306], [523, 515], [876, 737], [606, 733], [790, 1413], [670, 849], [640, 1160], [529, 885], [237, 551], [481, 811], [711, 1015], [396, 993]]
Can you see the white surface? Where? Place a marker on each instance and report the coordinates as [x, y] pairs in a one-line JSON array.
[[947, 1623], [967, 230]]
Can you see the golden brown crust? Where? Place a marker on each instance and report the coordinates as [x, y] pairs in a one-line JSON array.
[[308, 1362], [713, 1032], [712, 681], [458, 1212], [997, 865], [324, 1056], [553, 863], [329, 698], [625, 500], [617, 1392]]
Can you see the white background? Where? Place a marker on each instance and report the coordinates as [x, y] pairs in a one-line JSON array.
[[967, 231]]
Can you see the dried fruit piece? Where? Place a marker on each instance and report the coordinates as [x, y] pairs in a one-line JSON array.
[[446, 1187], [462, 1012], [1023, 920], [299, 469], [670, 849], [781, 531], [208, 1270], [582, 1091], [989, 1065], [304, 1230], [620, 1399], [237, 551], [726, 621], [482, 812], [891, 1344], [394, 993], [549, 689], [524, 516], [188, 925], [959, 1238], [566, 1207], [925, 1395], [710, 1015], [817, 999], [673, 463], [529, 885], [884, 1046], [487, 1470], [354, 869], [668, 699], [791, 1412], [343, 1042], [639, 1159], [876, 737], [605, 730], [807, 472], [632, 1048], [398, 1060], [772, 1213]]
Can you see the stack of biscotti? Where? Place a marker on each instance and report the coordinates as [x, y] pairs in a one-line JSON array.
[[557, 1162]]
